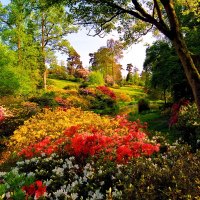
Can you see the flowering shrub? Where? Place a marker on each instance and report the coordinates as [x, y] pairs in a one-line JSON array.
[[35, 190], [16, 185], [125, 141], [53, 123], [105, 90], [4, 113], [1, 114], [174, 174], [175, 110], [188, 124], [121, 96], [15, 115]]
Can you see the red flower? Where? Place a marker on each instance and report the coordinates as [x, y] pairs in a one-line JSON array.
[[124, 153], [105, 90], [30, 190], [35, 189], [40, 189]]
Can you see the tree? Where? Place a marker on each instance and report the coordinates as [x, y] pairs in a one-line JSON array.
[[132, 17], [14, 33], [129, 76], [106, 60], [74, 61], [53, 23]]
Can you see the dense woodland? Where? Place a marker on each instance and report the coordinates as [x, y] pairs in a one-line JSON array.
[[73, 132]]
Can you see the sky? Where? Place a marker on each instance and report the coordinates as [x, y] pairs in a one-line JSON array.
[[85, 44]]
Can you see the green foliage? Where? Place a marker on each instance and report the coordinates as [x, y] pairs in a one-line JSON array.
[[9, 82], [143, 105], [45, 100], [167, 73], [96, 78], [12, 184], [57, 72]]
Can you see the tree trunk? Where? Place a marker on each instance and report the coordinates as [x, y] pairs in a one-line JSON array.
[[43, 54], [19, 51], [190, 69]]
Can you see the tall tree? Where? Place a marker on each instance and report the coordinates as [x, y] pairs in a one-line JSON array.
[[106, 60], [53, 23], [129, 68], [14, 33], [164, 65], [74, 61], [134, 16]]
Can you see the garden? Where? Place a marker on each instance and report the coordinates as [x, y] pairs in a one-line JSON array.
[[75, 143], [81, 122]]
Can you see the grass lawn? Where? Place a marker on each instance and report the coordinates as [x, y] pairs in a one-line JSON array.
[[135, 92], [63, 83], [156, 123]]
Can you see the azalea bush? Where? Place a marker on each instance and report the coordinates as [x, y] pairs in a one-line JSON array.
[[124, 142], [172, 174], [102, 99], [186, 119], [189, 125], [53, 123]]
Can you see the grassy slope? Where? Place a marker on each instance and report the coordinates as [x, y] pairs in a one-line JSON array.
[[156, 121], [62, 83]]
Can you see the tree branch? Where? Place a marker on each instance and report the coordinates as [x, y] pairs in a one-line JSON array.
[[158, 11]]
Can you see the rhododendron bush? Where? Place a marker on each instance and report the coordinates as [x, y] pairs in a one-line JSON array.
[[52, 123], [121, 140]]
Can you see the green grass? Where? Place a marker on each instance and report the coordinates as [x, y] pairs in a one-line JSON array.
[[63, 83], [135, 92], [156, 123]]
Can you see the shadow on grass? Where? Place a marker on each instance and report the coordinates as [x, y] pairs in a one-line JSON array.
[[156, 123]]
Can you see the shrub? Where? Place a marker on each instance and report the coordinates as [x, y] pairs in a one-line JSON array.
[[15, 116], [73, 101], [96, 78], [188, 124], [102, 99], [143, 105], [174, 174], [53, 123], [121, 96], [127, 141], [69, 87], [45, 100], [9, 83]]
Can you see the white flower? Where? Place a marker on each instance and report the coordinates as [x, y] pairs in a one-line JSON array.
[[43, 154], [74, 184], [60, 192], [74, 196], [64, 166], [27, 161], [96, 195], [8, 195], [48, 182], [20, 163], [2, 174], [116, 193], [31, 174], [59, 171]]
